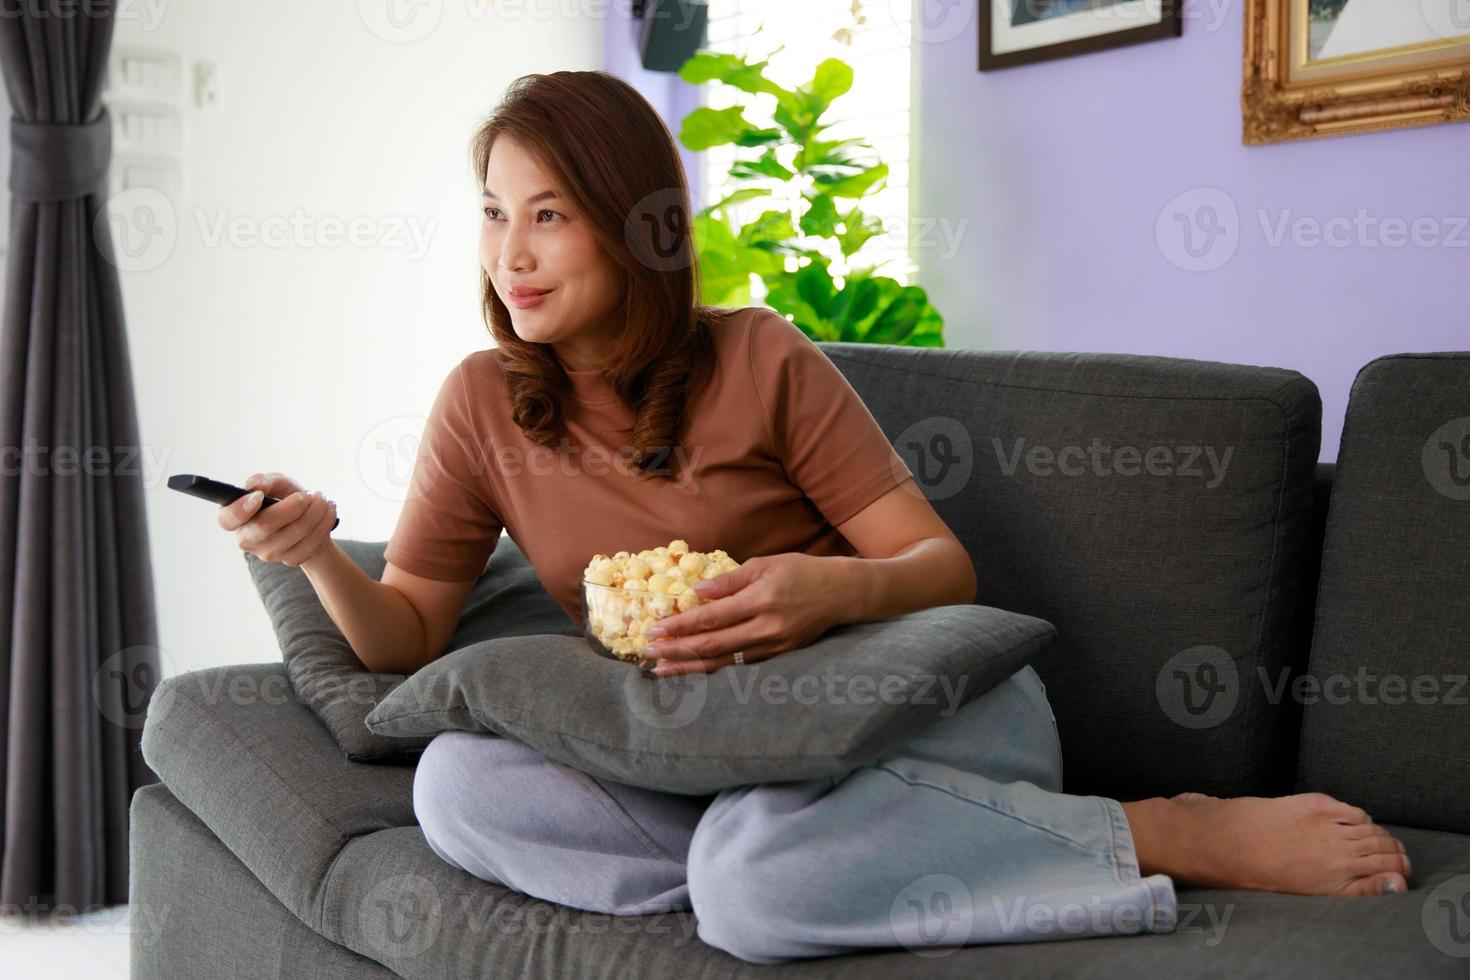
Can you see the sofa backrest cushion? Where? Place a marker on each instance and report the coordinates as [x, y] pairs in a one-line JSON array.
[[1386, 717], [1156, 510]]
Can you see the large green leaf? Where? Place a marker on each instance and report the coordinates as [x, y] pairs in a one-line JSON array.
[[706, 127], [766, 165], [711, 66], [820, 218], [858, 228], [855, 185]]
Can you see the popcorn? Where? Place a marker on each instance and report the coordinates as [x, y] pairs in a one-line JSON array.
[[642, 588]]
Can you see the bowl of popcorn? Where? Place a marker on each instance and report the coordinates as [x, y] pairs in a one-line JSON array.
[[624, 594]]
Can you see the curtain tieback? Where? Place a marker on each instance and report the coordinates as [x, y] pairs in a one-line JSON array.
[[59, 161]]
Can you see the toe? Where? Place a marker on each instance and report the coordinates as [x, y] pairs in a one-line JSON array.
[[1384, 883], [1390, 882]]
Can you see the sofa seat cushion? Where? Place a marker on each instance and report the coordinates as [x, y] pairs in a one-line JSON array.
[[390, 898], [336, 843], [236, 747]]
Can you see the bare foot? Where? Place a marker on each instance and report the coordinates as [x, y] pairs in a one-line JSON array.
[[1307, 844]]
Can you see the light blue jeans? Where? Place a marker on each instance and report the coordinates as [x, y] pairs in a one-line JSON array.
[[959, 834]]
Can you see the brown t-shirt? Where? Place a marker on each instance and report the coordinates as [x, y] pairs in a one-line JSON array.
[[779, 450]]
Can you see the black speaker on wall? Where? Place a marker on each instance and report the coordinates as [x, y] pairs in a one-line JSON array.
[[672, 31]]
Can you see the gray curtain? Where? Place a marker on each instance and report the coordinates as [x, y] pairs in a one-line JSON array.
[[78, 638]]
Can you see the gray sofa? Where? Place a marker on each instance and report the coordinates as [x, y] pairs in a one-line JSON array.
[[1220, 629]]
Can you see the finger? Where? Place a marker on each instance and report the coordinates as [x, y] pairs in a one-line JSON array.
[[712, 615], [238, 512], [314, 538], [706, 646], [673, 668], [292, 534], [270, 521]]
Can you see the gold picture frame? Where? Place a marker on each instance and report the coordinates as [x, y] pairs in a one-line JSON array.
[[1291, 92]]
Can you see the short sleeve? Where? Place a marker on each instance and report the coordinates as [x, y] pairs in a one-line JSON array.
[[828, 442], [448, 527]]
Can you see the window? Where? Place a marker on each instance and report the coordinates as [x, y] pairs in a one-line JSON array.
[[876, 108]]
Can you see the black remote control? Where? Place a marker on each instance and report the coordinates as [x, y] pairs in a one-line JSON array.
[[220, 493]]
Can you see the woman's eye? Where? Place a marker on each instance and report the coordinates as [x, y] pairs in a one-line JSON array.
[[487, 212]]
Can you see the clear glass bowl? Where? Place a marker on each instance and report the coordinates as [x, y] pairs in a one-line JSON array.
[[614, 619]]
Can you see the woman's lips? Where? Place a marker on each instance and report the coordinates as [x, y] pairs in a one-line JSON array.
[[525, 299]]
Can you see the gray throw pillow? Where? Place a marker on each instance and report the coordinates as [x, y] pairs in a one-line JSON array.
[[508, 600], [817, 711]]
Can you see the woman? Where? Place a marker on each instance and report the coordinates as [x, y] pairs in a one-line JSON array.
[[616, 414]]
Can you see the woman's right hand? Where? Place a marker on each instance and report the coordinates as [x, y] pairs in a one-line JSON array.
[[291, 531]]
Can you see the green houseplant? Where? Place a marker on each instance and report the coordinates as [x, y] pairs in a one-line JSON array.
[[803, 259]]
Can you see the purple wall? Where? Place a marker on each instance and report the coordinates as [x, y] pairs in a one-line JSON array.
[[1064, 168], [1057, 185]]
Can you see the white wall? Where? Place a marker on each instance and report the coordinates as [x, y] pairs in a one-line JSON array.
[[249, 357]]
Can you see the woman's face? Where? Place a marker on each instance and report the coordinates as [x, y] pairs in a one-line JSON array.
[[531, 237]]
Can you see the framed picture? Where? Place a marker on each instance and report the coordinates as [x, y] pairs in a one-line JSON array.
[[1330, 67], [1018, 32]]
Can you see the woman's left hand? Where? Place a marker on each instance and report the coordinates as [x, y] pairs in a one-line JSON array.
[[769, 605]]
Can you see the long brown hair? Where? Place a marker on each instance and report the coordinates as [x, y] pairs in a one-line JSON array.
[[617, 162]]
